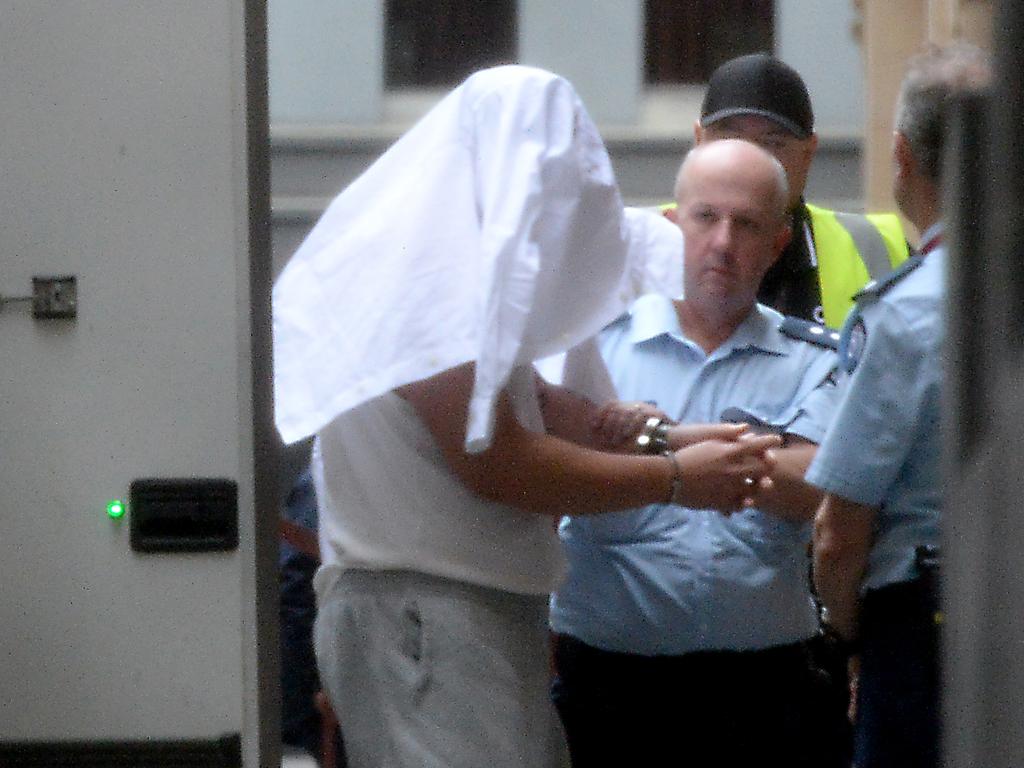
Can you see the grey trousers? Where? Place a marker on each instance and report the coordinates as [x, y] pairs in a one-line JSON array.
[[424, 672]]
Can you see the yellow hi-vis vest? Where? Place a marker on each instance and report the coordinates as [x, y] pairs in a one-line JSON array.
[[851, 249]]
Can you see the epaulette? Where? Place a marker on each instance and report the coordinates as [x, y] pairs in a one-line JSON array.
[[876, 288], [813, 333]]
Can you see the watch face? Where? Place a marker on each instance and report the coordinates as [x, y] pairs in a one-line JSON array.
[[851, 345]]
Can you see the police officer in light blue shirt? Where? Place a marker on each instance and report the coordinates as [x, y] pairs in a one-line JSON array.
[[673, 618], [877, 532], [662, 580], [891, 348]]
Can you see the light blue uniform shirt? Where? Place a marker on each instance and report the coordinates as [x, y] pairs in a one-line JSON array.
[[883, 449], [664, 579]]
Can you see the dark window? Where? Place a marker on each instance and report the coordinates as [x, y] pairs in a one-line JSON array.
[[686, 39], [431, 43]]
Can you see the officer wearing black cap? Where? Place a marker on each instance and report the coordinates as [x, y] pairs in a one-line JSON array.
[[832, 254]]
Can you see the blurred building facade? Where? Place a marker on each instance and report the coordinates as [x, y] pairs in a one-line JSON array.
[[347, 78]]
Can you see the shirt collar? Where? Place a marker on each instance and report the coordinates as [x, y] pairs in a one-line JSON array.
[[655, 315], [936, 230], [760, 330], [651, 316]]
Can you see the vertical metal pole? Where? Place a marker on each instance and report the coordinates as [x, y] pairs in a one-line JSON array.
[[964, 532], [984, 520], [966, 205], [1007, 181], [266, 453], [1002, 682]]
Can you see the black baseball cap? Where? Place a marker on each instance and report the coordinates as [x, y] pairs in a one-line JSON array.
[[759, 84]]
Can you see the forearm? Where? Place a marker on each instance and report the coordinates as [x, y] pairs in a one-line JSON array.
[[546, 474], [542, 473], [300, 537], [842, 542], [790, 497], [536, 472], [567, 415]]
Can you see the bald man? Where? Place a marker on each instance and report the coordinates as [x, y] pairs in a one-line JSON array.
[[832, 254], [685, 630]]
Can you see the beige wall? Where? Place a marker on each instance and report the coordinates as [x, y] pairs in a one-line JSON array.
[[892, 31]]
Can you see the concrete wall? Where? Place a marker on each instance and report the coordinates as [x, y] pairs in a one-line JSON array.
[[815, 37], [596, 44], [326, 58]]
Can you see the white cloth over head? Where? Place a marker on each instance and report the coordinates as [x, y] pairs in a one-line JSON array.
[[491, 232]]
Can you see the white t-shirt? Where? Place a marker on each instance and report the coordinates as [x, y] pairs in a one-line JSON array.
[[389, 502]]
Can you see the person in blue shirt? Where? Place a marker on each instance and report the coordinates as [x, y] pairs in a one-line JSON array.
[[877, 532], [301, 724], [685, 631]]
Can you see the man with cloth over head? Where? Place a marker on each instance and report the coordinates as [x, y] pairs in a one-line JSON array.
[[877, 532], [406, 345], [682, 631], [832, 254]]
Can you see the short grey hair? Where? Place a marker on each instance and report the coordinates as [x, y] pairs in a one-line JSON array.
[[934, 79], [781, 180]]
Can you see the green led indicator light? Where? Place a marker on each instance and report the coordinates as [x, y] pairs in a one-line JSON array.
[[115, 509]]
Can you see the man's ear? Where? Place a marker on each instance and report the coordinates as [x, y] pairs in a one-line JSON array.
[[785, 234], [811, 147], [698, 132], [671, 213], [902, 155]]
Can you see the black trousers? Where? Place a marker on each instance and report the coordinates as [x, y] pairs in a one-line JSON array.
[[898, 693], [721, 708]]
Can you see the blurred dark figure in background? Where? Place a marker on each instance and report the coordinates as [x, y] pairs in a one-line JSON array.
[[301, 720]]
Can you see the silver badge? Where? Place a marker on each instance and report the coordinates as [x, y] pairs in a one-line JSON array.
[[851, 342]]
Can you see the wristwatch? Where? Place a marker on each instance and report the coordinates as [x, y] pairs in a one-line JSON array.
[[653, 438]]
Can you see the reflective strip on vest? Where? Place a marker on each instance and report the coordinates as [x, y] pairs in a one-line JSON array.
[[852, 249], [868, 240]]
